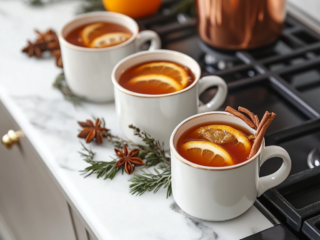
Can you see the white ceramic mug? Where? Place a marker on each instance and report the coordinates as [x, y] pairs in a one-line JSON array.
[[88, 70], [221, 193], [159, 114]]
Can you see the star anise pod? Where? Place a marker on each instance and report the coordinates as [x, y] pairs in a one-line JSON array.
[[57, 55], [128, 159], [47, 41], [59, 61], [92, 131], [47, 37], [51, 46], [33, 49]]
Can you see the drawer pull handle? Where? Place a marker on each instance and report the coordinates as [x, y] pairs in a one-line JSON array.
[[11, 138]]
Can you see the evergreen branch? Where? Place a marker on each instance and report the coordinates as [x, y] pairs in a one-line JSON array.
[[153, 151], [61, 84], [90, 6], [118, 141], [85, 6], [147, 139], [100, 168], [35, 2], [86, 153], [115, 140], [151, 182]]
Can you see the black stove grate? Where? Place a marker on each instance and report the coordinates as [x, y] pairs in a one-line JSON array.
[[283, 77]]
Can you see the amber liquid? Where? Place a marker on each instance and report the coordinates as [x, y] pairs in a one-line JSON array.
[[154, 87], [234, 149], [74, 37]]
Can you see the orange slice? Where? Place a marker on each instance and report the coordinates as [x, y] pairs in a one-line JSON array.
[[156, 80], [209, 153], [224, 134], [169, 69], [85, 33], [110, 39]]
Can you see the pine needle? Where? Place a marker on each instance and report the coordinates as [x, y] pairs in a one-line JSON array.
[[151, 182], [61, 84], [90, 6], [152, 153], [100, 168]]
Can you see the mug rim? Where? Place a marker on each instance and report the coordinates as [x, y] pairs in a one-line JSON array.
[[85, 15], [142, 95], [198, 166]]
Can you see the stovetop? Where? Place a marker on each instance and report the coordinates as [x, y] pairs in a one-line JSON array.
[[283, 77]]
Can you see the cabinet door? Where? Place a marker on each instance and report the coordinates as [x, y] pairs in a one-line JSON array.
[[80, 229], [30, 201]]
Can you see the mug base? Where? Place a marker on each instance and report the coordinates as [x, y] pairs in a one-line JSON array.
[[213, 219]]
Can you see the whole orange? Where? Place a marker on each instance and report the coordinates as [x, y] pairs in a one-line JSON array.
[[133, 8]]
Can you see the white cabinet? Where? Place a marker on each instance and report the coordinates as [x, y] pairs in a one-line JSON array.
[[30, 202], [80, 230]]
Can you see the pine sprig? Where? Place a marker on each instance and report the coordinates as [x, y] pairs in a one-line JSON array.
[[154, 151], [35, 2], [90, 6], [61, 84], [152, 182], [100, 168], [86, 153], [118, 142]]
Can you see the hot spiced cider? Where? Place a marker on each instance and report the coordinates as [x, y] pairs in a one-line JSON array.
[[215, 144], [99, 35], [157, 77]]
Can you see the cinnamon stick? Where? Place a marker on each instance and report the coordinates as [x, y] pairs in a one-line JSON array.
[[250, 114], [259, 135], [263, 121], [241, 116], [256, 120]]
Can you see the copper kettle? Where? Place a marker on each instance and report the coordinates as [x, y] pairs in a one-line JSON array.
[[240, 24]]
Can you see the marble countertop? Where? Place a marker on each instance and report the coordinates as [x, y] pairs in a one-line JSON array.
[[50, 124]]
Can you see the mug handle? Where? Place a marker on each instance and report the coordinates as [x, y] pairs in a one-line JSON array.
[[148, 35], [218, 99], [274, 179]]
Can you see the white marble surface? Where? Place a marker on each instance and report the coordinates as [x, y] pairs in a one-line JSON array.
[[50, 124]]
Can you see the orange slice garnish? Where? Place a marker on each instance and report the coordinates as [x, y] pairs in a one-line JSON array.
[[86, 32], [157, 80], [110, 39], [224, 134], [209, 154], [165, 68]]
